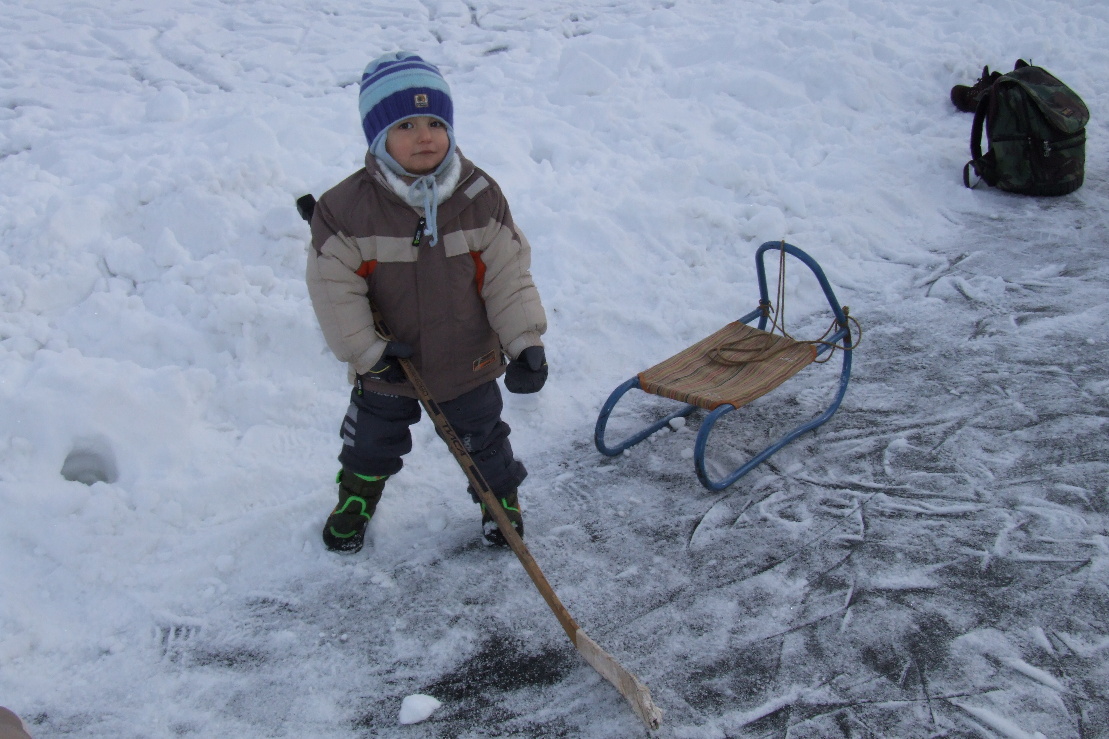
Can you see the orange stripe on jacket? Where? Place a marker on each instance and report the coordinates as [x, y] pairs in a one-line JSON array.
[[479, 271], [367, 268]]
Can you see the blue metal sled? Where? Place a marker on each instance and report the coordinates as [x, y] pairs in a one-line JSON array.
[[704, 376]]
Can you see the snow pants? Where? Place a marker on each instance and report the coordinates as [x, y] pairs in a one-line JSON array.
[[376, 434]]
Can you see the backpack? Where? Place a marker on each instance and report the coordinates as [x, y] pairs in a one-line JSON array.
[[1036, 132]]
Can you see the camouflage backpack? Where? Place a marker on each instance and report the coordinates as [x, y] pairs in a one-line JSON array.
[[1036, 130]]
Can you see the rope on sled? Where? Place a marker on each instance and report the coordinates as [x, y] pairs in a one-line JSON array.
[[761, 347]]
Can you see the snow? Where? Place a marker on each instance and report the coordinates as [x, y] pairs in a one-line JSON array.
[[932, 561], [417, 708]]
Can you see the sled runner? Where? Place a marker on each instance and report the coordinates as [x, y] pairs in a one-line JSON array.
[[737, 364]]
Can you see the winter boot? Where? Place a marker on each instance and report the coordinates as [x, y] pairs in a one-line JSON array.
[[966, 97], [489, 528], [345, 529]]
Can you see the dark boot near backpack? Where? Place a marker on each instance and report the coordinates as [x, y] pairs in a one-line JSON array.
[[966, 97]]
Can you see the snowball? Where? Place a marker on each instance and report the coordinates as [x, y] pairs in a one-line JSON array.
[[416, 708]]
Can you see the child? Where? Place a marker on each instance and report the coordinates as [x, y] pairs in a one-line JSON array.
[[427, 238]]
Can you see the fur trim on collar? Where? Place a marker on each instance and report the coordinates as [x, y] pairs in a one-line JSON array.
[[447, 181]]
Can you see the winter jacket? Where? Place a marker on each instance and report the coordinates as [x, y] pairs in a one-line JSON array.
[[11, 727], [461, 304]]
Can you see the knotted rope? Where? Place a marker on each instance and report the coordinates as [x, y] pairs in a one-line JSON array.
[[760, 347]]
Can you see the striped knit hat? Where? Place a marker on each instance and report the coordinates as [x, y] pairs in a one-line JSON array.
[[398, 86]]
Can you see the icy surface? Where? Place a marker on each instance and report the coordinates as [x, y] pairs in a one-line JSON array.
[[934, 561]]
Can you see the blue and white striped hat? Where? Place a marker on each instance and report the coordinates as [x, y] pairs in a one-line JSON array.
[[398, 86]]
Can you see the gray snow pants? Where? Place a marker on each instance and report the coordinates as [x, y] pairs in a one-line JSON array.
[[376, 433]]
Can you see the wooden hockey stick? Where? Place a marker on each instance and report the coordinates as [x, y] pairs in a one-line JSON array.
[[634, 691]]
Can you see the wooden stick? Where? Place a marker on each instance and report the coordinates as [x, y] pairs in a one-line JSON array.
[[634, 691]]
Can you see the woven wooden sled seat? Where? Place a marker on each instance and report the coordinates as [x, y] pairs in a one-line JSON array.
[[704, 375], [734, 366]]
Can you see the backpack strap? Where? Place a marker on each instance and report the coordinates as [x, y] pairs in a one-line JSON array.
[[976, 127], [980, 114]]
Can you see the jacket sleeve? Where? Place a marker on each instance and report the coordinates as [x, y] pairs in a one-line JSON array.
[[339, 294], [511, 298]]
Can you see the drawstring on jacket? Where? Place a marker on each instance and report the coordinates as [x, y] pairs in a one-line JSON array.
[[428, 187]]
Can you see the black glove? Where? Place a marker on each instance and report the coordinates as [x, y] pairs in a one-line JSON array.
[[527, 372], [388, 369]]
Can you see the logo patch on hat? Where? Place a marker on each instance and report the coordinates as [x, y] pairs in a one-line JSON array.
[[421, 100]]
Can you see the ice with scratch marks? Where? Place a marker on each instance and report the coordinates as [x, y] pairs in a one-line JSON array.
[[992, 720], [1035, 673]]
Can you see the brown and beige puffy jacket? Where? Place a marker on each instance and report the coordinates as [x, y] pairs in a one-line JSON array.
[[460, 303], [11, 726]]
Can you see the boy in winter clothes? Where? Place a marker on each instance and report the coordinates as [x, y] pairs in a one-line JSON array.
[[427, 238]]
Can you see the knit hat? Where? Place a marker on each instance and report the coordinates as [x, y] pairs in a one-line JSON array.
[[398, 86]]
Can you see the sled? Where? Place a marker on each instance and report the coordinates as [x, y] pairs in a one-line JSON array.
[[737, 364]]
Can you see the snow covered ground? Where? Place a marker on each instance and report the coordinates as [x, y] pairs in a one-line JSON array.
[[934, 561]]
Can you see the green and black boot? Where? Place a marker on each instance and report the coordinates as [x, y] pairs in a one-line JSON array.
[[489, 528], [345, 529]]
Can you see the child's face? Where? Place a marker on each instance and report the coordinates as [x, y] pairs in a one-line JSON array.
[[418, 144]]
